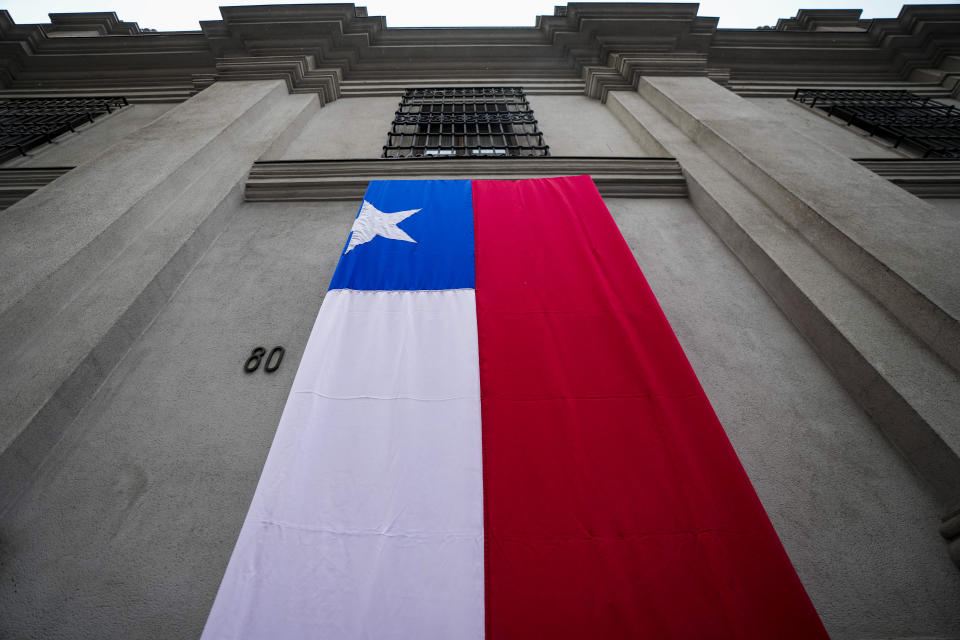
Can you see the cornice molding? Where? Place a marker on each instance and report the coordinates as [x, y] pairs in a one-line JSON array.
[[396, 87], [299, 72], [142, 65], [16, 183], [309, 180], [824, 20], [924, 178], [105, 23], [337, 49]]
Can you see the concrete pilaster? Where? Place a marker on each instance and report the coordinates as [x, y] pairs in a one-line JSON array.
[[867, 272], [895, 246], [90, 259]]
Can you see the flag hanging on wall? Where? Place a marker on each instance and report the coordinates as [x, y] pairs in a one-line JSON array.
[[494, 433]]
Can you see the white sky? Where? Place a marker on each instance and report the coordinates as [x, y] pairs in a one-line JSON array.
[[175, 15]]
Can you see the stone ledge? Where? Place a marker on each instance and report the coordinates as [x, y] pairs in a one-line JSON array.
[[396, 87], [169, 94], [299, 180], [16, 183], [776, 88], [924, 178]]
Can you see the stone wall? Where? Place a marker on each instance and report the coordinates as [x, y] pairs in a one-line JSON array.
[[832, 133], [124, 498], [357, 128], [72, 149]]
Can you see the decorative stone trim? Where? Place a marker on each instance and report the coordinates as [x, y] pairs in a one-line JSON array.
[[299, 72], [394, 88], [924, 178], [306, 180], [597, 46], [17, 183]]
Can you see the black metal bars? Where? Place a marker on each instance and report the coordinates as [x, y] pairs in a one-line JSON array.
[[928, 127], [464, 122], [29, 122]]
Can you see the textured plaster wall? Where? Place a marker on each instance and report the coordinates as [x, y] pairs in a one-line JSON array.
[[357, 128], [89, 260], [582, 126], [72, 149], [832, 132], [126, 532], [346, 128], [950, 205], [128, 528]]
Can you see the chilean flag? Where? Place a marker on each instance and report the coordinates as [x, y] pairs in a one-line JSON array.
[[494, 433]]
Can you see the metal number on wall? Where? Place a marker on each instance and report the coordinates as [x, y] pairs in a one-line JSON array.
[[270, 364]]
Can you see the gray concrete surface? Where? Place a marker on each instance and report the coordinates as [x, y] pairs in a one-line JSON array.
[[912, 395], [892, 244], [72, 149], [346, 128], [47, 229], [89, 260], [950, 205], [582, 126], [357, 128], [127, 530], [830, 132]]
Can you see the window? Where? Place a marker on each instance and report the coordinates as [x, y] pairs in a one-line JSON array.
[[476, 122], [922, 125], [29, 122]]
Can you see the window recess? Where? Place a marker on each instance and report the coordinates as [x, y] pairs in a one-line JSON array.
[[473, 122], [26, 123], [919, 124]]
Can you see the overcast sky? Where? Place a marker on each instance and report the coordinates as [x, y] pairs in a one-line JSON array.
[[185, 14]]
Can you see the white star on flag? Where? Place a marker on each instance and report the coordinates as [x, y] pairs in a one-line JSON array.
[[372, 223]]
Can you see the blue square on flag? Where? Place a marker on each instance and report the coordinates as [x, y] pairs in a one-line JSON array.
[[414, 235]]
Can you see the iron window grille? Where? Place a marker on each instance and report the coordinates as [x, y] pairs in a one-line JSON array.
[[923, 125], [26, 123], [475, 122]]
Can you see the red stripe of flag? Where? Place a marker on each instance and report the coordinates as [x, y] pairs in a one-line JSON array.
[[614, 505]]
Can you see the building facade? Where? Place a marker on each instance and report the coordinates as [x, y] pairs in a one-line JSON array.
[[176, 199]]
